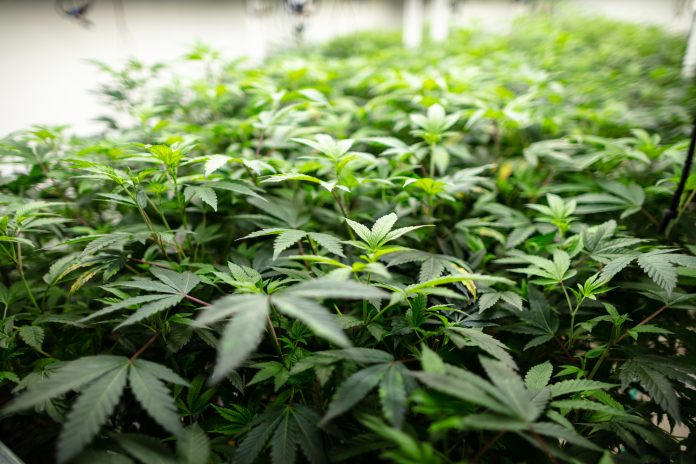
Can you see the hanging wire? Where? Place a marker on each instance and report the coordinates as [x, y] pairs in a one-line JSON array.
[[671, 212], [121, 24]]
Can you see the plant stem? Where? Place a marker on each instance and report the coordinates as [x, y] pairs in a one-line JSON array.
[[21, 274], [145, 346], [274, 337], [488, 446], [543, 445], [571, 335], [196, 300], [142, 261], [652, 316], [650, 217]]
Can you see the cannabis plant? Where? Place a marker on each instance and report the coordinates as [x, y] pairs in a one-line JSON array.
[[433, 256]]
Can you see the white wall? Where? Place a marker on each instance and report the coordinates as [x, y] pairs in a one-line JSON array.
[[674, 15], [44, 78]]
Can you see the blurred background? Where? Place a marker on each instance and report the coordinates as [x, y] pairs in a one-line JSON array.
[[45, 45]]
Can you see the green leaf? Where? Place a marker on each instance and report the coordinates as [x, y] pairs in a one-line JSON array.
[[362, 231], [658, 265], [90, 412], [193, 446], [154, 397], [557, 432], [579, 385], [242, 334], [69, 376], [463, 336], [327, 288], [32, 336], [182, 283], [329, 242], [314, 315], [538, 376], [431, 362], [354, 389], [285, 240], [656, 384], [261, 429], [587, 406], [381, 228], [145, 449], [392, 395], [359, 355], [151, 308], [124, 304]]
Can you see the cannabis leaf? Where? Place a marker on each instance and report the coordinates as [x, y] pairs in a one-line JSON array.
[[101, 381], [289, 237], [288, 428], [170, 288], [392, 378], [249, 314]]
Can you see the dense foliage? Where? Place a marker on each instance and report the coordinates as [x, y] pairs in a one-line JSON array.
[[431, 256]]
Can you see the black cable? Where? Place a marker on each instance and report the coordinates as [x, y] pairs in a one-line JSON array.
[[671, 212]]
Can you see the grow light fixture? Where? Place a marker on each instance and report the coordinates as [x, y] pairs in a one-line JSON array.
[[300, 11], [75, 10]]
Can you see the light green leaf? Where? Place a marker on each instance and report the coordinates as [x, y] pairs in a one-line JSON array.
[[32, 335], [90, 412], [154, 397], [285, 240], [354, 389], [69, 376], [151, 308], [193, 447], [538, 376], [314, 316], [579, 385], [392, 395], [329, 242], [240, 337], [463, 336], [326, 288]]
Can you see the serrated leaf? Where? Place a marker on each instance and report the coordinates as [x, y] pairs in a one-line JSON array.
[[193, 446], [69, 376], [181, 282], [538, 376], [578, 385], [392, 395], [556, 432], [314, 316], [659, 269], [655, 383], [353, 389], [32, 335], [90, 412], [241, 335], [359, 355], [382, 227], [214, 163], [326, 288], [261, 429], [145, 449], [431, 362], [482, 340], [154, 397], [124, 304], [362, 231], [329, 242], [285, 240], [151, 308]]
